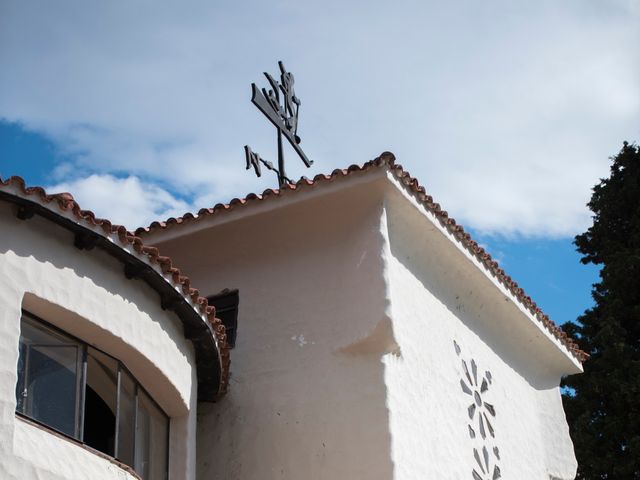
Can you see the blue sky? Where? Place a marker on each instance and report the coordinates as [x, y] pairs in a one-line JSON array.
[[547, 268], [506, 111]]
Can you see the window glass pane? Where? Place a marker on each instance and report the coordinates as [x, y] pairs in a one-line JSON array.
[[151, 440], [33, 331], [97, 402], [142, 438], [159, 448], [50, 364], [100, 402], [52, 386], [21, 391], [126, 423]]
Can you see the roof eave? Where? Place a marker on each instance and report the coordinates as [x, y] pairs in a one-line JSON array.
[[372, 170], [255, 205], [481, 260], [212, 358]]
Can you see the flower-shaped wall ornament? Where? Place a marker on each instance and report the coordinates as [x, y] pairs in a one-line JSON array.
[[481, 414], [487, 467], [479, 410]]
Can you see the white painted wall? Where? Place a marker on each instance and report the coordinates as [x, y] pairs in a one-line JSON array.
[[436, 298], [87, 295], [345, 367], [307, 398]]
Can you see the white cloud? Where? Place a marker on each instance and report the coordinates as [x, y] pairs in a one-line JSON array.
[[124, 201], [506, 111]]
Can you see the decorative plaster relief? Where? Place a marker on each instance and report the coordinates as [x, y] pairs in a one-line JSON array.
[[481, 414]]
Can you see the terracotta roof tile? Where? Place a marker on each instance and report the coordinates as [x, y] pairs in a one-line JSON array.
[[65, 203], [387, 160]]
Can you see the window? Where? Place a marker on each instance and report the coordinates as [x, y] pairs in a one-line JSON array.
[[226, 303], [86, 394]]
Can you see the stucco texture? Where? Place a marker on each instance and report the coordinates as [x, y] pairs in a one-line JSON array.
[[345, 367], [87, 295], [436, 299]]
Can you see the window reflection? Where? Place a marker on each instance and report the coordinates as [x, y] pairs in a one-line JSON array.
[[86, 394], [49, 378], [159, 436], [152, 430], [127, 422]]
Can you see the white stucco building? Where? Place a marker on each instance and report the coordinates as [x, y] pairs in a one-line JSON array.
[[105, 348], [375, 339]]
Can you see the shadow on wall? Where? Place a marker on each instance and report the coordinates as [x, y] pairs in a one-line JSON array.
[[337, 429], [463, 291], [307, 397], [48, 244]]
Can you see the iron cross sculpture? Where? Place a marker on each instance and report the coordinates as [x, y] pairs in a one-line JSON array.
[[280, 105]]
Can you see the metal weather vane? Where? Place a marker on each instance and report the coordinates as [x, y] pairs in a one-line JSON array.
[[280, 105]]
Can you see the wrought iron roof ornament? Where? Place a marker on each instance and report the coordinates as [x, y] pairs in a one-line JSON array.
[[280, 105]]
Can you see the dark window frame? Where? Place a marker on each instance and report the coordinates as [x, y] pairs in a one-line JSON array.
[[81, 385], [227, 304]]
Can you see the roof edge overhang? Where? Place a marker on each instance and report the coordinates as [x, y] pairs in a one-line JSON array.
[[255, 205], [382, 167], [483, 263], [139, 262]]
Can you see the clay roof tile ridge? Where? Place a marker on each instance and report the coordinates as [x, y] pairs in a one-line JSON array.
[[127, 239], [388, 160]]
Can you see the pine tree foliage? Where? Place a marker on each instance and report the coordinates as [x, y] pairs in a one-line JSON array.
[[603, 403]]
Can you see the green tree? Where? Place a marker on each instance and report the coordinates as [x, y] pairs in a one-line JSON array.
[[603, 403]]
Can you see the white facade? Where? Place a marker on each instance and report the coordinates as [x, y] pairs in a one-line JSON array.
[[372, 343], [86, 294], [440, 295], [352, 295]]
